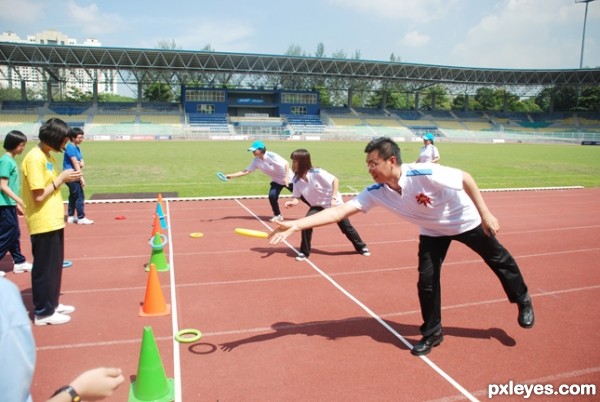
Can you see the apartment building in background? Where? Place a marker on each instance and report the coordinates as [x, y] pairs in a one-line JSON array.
[[36, 79]]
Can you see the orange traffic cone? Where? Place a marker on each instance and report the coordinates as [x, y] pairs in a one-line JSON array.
[[154, 301], [151, 382], [160, 201], [156, 227]]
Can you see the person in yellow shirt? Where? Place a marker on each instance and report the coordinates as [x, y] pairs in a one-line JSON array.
[[44, 213]]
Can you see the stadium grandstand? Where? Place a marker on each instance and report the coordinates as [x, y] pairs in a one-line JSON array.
[[252, 110]]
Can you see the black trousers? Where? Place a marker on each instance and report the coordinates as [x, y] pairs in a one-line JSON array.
[[46, 275], [10, 234], [432, 252], [344, 225], [274, 191]]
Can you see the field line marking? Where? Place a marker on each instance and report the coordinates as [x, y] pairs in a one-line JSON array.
[[174, 312], [431, 364]]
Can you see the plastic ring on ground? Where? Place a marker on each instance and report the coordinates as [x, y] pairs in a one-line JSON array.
[[163, 239], [67, 264], [189, 335], [196, 234], [119, 218]]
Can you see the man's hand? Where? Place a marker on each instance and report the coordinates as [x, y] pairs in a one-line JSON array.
[[282, 231]]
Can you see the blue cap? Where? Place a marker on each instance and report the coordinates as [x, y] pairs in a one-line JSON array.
[[429, 137], [257, 145]]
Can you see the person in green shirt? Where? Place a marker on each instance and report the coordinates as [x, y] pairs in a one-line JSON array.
[[11, 205]]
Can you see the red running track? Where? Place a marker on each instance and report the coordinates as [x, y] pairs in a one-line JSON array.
[[333, 328]]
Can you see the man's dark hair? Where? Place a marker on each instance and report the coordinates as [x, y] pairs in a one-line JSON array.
[[53, 133], [386, 147]]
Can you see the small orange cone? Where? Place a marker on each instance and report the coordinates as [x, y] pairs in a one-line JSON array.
[[154, 301], [160, 201], [156, 227], [151, 382]]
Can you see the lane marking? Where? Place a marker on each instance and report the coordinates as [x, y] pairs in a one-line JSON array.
[[174, 312], [269, 329], [431, 364]]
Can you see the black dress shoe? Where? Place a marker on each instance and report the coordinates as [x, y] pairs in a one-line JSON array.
[[424, 346], [526, 316]]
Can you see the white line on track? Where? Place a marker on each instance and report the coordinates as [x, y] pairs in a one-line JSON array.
[[174, 312], [553, 293], [431, 364]]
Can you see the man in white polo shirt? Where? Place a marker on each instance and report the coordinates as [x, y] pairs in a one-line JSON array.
[[274, 166], [447, 205]]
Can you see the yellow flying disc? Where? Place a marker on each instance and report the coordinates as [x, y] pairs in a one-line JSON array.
[[196, 234], [252, 233]]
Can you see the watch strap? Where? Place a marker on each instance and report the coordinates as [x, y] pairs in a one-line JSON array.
[[71, 391]]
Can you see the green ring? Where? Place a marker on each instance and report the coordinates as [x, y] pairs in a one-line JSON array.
[[181, 338]]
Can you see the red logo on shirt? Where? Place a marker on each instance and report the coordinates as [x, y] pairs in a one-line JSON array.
[[423, 199]]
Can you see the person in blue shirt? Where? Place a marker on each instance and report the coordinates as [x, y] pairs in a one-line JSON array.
[[17, 346], [73, 159]]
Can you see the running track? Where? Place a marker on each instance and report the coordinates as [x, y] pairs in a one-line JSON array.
[[337, 327]]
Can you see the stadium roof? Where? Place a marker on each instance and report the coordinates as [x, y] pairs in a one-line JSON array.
[[189, 66]]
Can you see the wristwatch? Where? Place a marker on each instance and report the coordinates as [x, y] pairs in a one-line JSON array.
[[67, 388]]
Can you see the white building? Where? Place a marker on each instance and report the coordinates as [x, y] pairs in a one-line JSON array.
[[70, 79]]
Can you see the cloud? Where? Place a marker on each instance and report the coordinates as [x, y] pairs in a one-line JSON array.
[[415, 39], [91, 21], [408, 10], [521, 34], [222, 36], [27, 11]]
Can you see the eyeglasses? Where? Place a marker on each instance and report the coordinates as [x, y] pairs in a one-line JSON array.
[[374, 163]]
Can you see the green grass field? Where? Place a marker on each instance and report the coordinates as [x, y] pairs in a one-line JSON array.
[[188, 167]]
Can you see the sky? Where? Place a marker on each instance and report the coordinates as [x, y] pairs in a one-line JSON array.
[[520, 34]]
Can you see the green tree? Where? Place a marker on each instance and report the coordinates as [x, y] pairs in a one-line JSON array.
[[589, 98], [442, 99], [159, 92], [486, 99], [464, 102]]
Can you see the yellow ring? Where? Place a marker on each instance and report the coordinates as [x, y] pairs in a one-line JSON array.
[[181, 338], [196, 234]]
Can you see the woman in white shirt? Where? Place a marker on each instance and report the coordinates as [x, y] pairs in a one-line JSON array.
[[429, 152], [320, 190]]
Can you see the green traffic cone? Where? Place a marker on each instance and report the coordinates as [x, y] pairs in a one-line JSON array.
[[151, 382], [158, 256]]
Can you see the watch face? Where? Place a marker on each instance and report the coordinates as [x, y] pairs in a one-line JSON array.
[[74, 396]]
